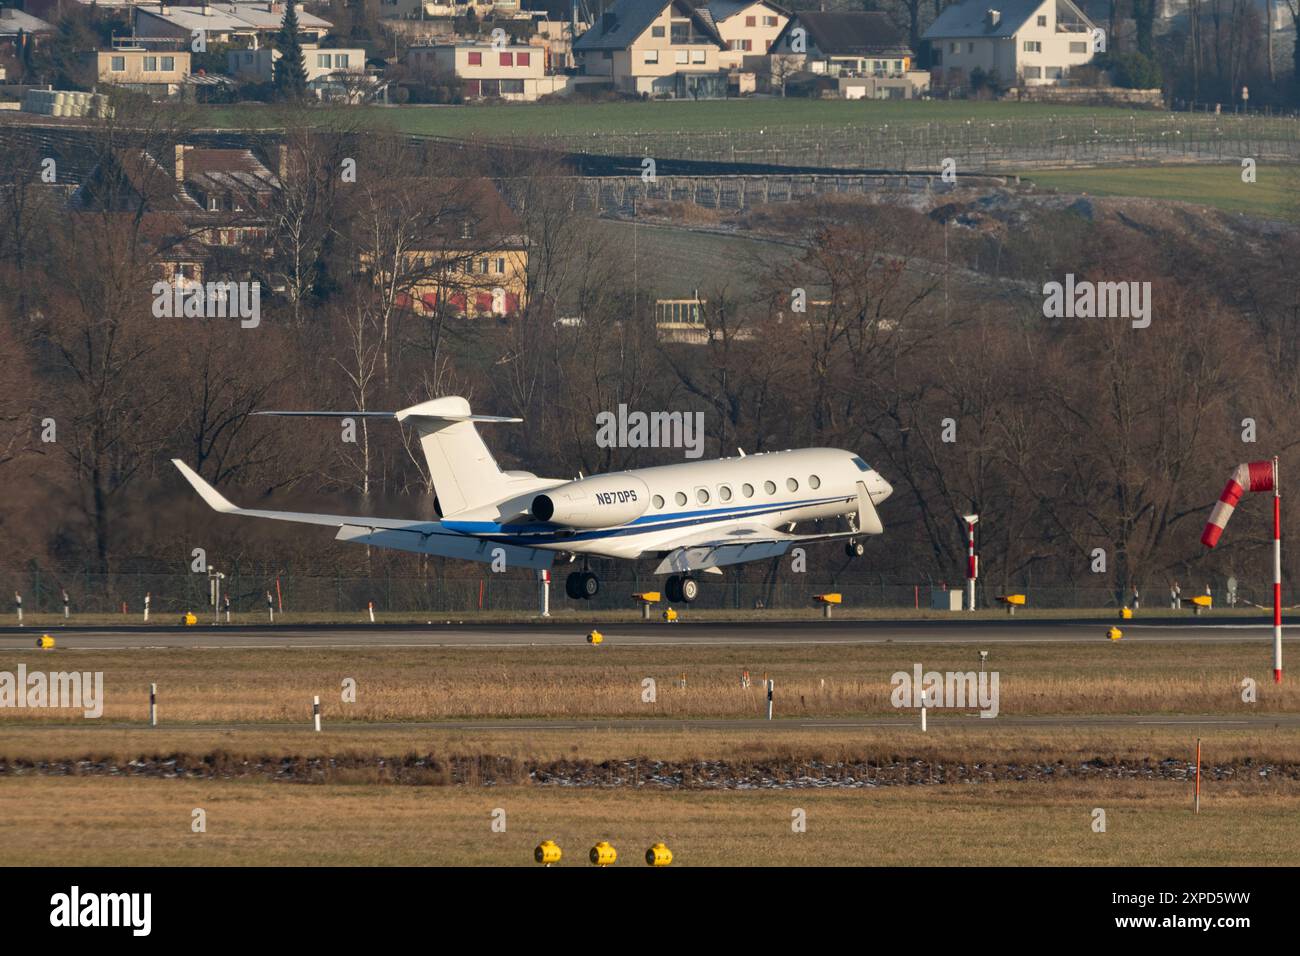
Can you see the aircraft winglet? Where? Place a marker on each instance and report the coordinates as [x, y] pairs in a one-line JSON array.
[[215, 500]]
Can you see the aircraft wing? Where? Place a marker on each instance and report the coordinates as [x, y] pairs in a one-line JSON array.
[[403, 534], [734, 544]]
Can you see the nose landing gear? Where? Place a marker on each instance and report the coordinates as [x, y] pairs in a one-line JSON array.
[[855, 548]]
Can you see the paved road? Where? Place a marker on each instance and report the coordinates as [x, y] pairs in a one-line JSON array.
[[554, 634], [937, 722]]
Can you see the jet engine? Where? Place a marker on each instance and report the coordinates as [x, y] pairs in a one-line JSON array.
[[600, 502]]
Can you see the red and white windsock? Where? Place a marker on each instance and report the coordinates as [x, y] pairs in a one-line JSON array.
[[1255, 476]]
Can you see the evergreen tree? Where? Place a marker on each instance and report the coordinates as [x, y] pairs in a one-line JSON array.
[[290, 70]]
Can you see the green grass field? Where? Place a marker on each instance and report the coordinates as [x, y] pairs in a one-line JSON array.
[[507, 121], [1274, 195]]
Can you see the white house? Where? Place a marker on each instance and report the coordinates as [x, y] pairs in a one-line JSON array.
[[1025, 42], [489, 72], [748, 27], [660, 47]]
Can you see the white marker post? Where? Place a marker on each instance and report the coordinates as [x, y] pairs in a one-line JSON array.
[[153, 705], [227, 608], [371, 607], [544, 587], [972, 562], [147, 596], [270, 607], [771, 684], [65, 605], [315, 712], [1277, 575]]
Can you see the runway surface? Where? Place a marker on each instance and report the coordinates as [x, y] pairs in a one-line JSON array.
[[460, 634]]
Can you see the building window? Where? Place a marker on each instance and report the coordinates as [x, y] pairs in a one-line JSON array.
[[657, 32], [169, 63], [1078, 47], [751, 21], [323, 60], [954, 47], [970, 47], [507, 59], [1053, 72], [1033, 46], [214, 204], [151, 64], [119, 64], [476, 59], [652, 56], [697, 56], [340, 60], [524, 59], [1033, 73], [769, 21], [1042, 19], [501, 263], [513, 86], [682, 56]]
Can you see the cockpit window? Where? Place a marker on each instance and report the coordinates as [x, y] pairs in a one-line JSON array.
[[862, 465]]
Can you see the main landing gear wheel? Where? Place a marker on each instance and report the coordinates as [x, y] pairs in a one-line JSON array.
[[855, 549], [682, 589], [582, 585]]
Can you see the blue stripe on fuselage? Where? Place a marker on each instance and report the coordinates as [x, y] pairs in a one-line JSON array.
[[546, 534]]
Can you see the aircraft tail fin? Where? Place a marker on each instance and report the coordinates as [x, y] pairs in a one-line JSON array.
[[464, 473]]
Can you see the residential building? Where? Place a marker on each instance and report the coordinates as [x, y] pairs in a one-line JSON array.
[[18, 28], [486, 71], [161, 74], [258, 66], [241, 23], [1021, 42], [657, 47], [747, 27], [476, 266], [864, 53]]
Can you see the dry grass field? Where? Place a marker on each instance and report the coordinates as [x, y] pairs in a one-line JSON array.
[[139, 822], [420, 684]]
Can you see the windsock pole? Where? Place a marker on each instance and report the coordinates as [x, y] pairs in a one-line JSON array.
[[1277, 576]]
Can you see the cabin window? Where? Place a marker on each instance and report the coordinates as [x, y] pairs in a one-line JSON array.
[[862, 465], [769, 487], [792, 484], [702, 495], [814, 481], [724, 492], [680, 497], [747, 490], [658, 501]]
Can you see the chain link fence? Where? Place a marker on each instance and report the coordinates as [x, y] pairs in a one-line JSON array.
[[347, 595]]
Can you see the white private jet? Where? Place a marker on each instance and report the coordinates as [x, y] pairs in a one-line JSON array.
[[695, 516]]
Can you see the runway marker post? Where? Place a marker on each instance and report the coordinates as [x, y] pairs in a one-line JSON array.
[[315, 712], [65, 604], [1198, 774], [18, 604], [770, 685], [153, 705], [371, 607], [147, 596], [270, 607]]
